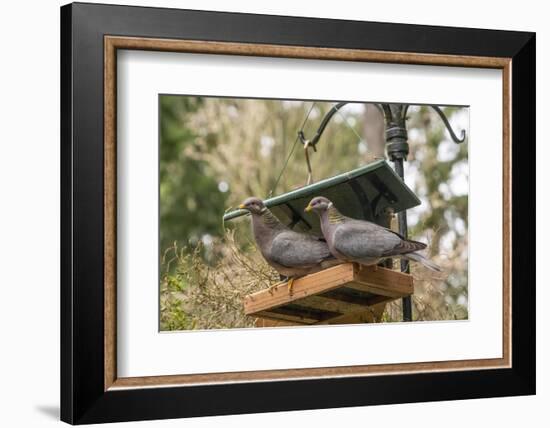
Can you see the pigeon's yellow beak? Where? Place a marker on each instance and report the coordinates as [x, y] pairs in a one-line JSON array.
[[242, 207], [308, 208]]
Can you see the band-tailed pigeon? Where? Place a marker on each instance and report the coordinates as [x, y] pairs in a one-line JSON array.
[[290, 253], [361, 241]]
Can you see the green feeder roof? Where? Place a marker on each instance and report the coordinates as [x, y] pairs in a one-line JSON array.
[[363, 193]]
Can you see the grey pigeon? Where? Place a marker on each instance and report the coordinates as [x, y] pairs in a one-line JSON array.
[[290, 253], [361, 241]]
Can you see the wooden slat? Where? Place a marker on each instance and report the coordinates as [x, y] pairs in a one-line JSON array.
[[382, 276], [327, 304], [342, 294], [367, 315], [304, 312], [377, 289], [383, 282], [286, 317], [316, 283]]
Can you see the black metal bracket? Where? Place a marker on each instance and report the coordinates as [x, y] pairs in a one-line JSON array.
[[395, 116], [448, 126], [328, 116]]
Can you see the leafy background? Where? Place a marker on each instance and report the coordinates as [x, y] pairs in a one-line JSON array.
[[215, 152]]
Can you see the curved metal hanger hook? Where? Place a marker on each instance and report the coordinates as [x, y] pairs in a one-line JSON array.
[[448, 126], [312, 142]]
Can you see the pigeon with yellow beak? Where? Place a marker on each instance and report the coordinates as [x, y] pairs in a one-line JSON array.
[[290, 253], [363, 242]]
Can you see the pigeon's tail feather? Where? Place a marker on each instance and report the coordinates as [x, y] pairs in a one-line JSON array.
[[421, 259]]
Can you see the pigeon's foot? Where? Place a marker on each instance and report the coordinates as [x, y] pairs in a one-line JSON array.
[[272, 288], [290, 285]]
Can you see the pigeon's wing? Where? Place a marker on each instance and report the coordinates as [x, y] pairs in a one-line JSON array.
[[404, 247], [358, 240], [362, 239], [293, 249]]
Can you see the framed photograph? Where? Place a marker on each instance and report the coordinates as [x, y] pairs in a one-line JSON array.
[[267, 213]]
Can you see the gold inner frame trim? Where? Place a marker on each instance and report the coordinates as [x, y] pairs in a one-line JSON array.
[[113, 43]]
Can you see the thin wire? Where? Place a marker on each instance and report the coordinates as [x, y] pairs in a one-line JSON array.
[[355, 132], [291, 151], [349, 126]]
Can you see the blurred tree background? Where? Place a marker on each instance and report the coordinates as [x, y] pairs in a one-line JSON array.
[[190, 199], [215, 152]]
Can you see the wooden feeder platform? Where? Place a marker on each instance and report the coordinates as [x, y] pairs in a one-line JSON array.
[[343, 294]]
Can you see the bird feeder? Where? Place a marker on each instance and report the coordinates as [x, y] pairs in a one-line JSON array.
[[347, 293]]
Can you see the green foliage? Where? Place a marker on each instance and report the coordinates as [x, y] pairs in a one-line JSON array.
[[190, 200], [196, 294], [444, 215]]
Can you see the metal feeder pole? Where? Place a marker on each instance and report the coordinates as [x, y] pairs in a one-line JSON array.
[[398, 148]]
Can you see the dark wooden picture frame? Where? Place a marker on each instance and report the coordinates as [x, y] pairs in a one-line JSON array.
[[90, 389]]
